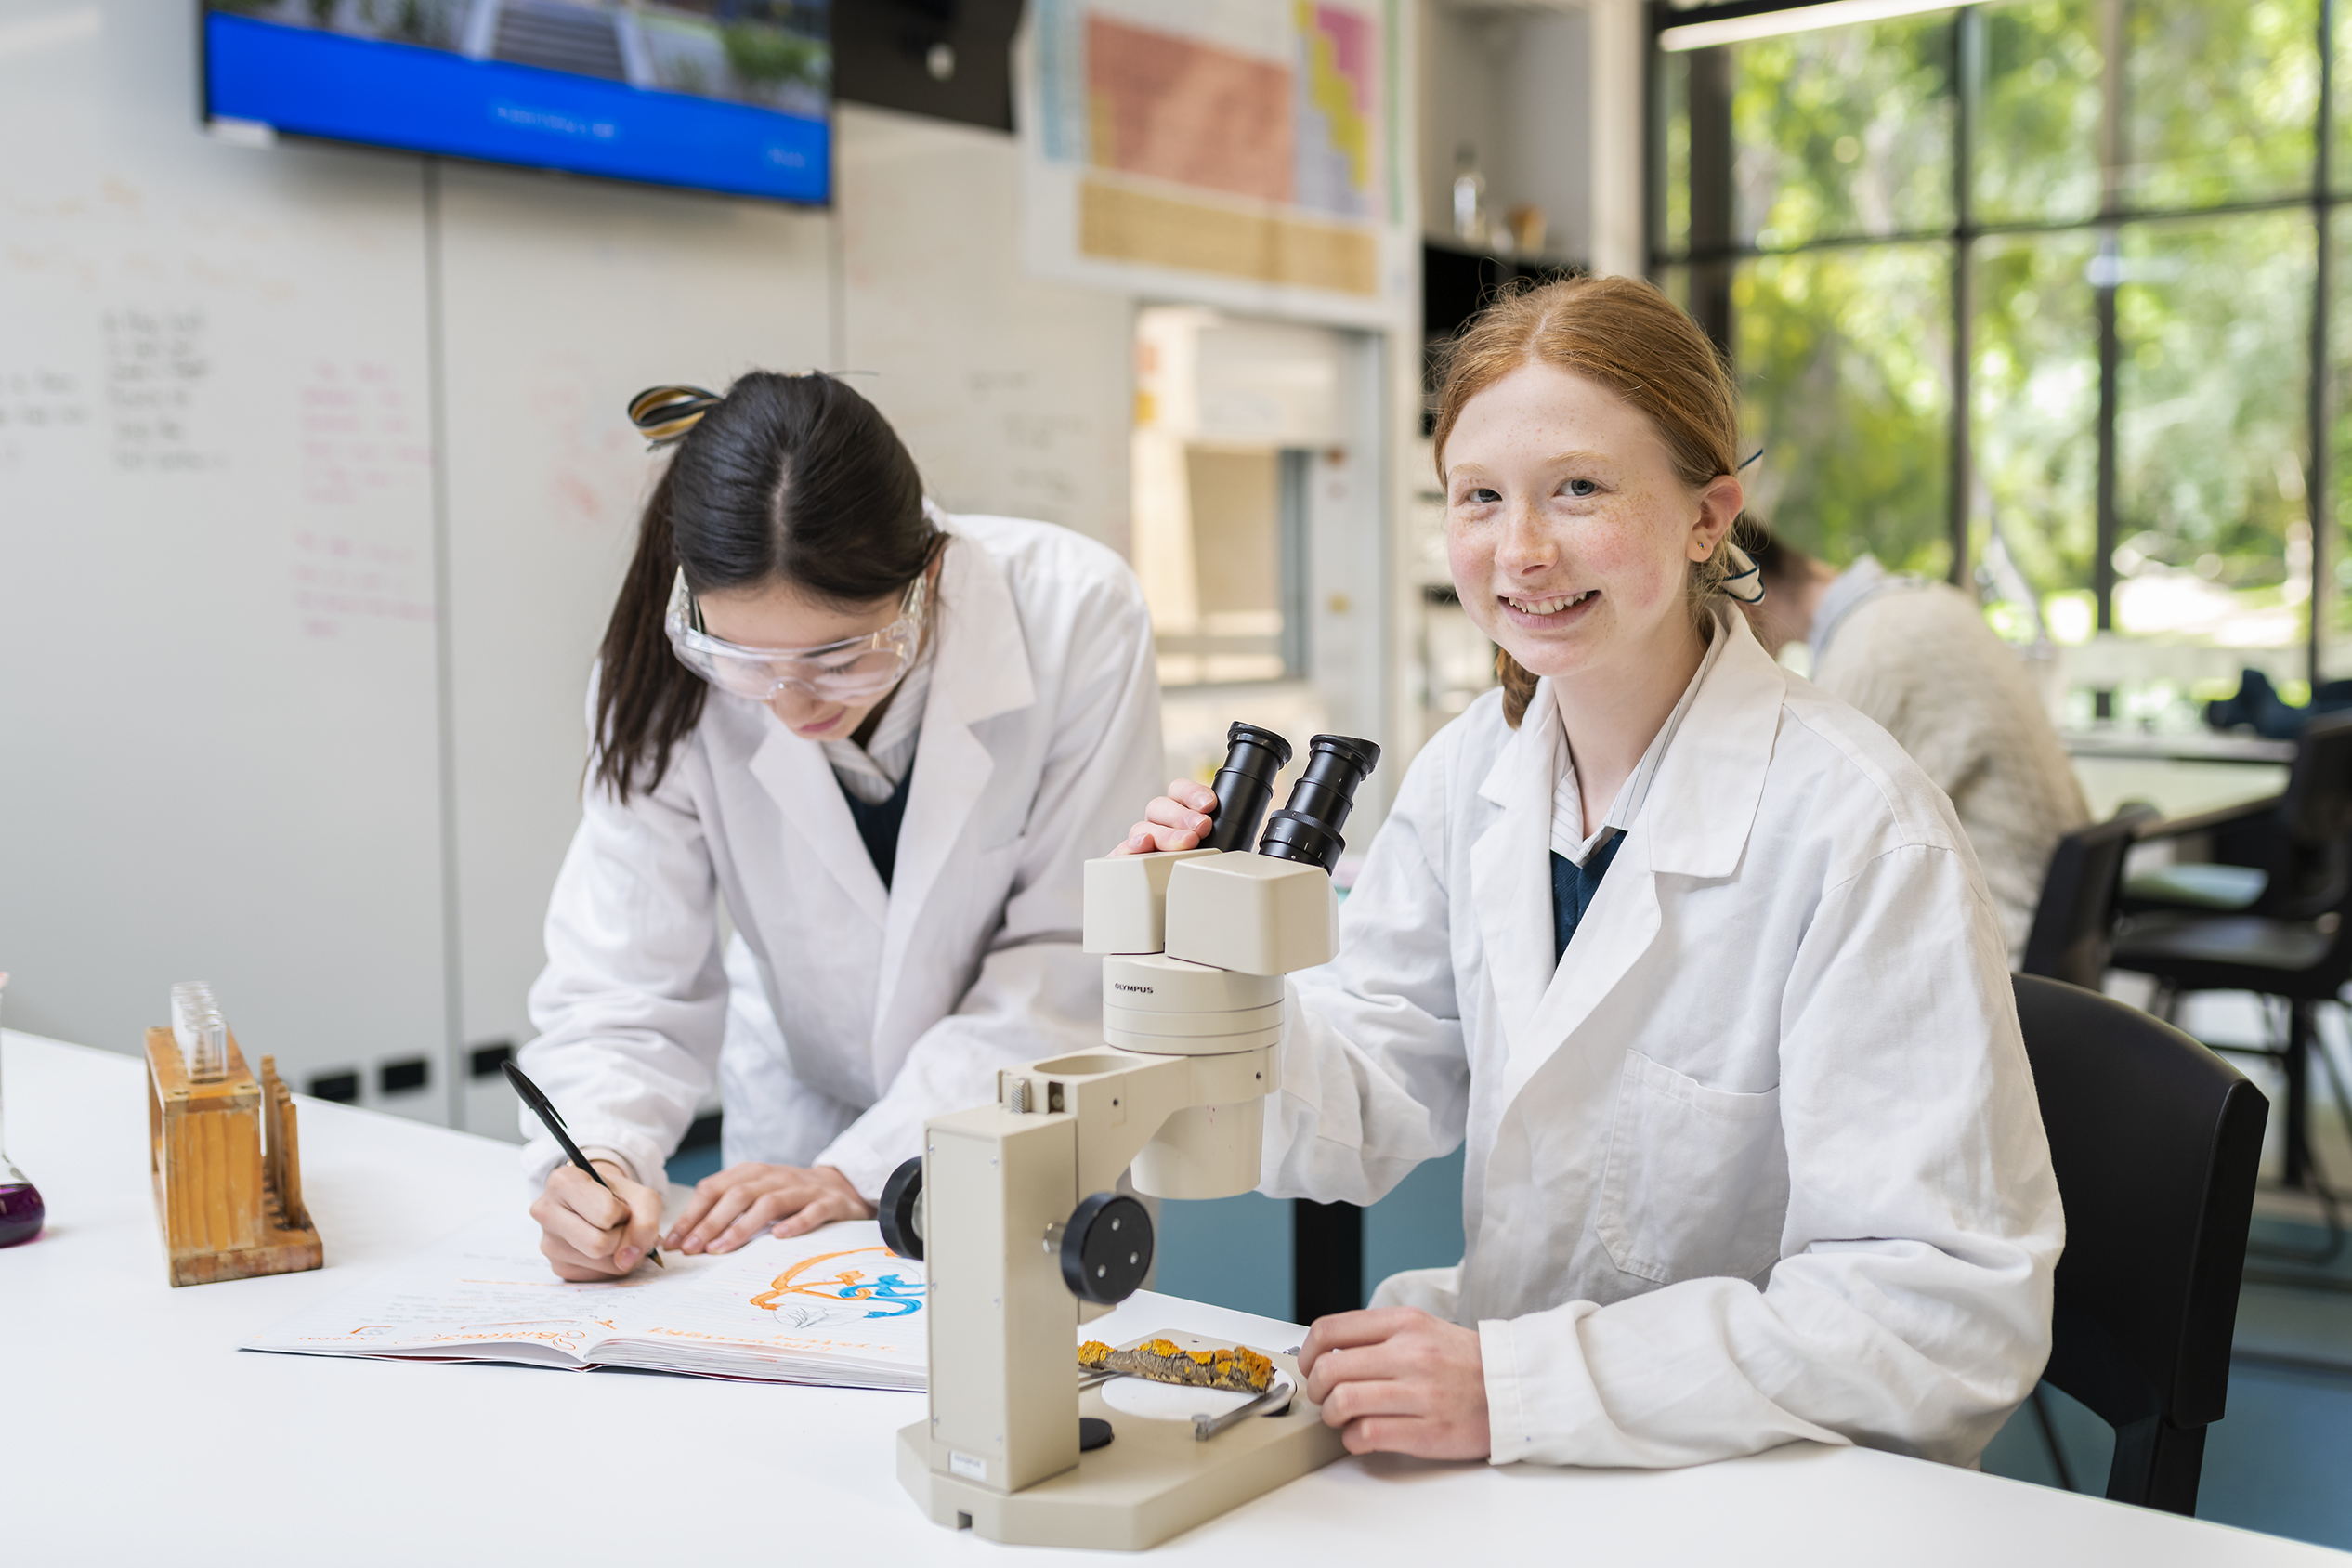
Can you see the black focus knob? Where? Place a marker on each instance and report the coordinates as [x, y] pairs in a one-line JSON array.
[[1106, 1249], [901, 1200]]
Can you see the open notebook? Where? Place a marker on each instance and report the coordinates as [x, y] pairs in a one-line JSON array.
[[835, 1307]]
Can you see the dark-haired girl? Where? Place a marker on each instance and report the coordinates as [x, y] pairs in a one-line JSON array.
[[882, 740]]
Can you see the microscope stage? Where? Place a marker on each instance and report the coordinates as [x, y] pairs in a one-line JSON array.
[[1156, 1480]]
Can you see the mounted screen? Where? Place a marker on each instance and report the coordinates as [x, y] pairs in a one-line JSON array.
[[727, 95]]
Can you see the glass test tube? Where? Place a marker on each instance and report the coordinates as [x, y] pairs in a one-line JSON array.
[[201, 1031]]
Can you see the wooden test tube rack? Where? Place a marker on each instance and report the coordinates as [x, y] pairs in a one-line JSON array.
[[228, 1169]]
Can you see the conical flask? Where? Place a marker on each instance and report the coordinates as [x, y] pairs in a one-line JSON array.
[[21, 1210]]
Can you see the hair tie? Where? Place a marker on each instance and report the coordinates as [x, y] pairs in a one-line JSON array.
[[664, 414], [1745, 582]]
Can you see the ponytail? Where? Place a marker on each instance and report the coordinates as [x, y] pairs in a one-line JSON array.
[[1519, 688], [646, 701]]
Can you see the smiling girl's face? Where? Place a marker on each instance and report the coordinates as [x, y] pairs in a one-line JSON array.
[[1570, 534]]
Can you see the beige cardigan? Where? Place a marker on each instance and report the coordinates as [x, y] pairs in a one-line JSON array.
[[1917, 658]]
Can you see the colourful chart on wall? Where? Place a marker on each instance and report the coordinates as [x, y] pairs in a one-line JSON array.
[[1235, 152]]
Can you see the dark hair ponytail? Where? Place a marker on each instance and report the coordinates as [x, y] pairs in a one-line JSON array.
[[789, 478]]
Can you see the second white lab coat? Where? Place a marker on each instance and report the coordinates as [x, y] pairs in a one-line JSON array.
[[880, 1008], [1760, 1160]]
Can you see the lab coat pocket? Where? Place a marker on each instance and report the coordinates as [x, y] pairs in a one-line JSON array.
[[1696, 1183]]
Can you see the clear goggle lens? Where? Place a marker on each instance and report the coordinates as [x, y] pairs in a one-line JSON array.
[[854, 669]]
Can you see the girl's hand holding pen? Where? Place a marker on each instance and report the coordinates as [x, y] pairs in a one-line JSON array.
[[593, 1232]]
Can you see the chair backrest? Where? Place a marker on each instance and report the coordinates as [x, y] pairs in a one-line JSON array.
[[2313, 867], [2317, 804], [2155, 1140], [2073, 930]]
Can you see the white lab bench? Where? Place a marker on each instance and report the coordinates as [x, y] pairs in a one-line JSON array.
[[135, 1431]]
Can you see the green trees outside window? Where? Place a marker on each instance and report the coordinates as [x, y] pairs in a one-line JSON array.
[[2029, 293]]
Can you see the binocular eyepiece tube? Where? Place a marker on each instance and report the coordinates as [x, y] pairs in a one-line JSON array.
[[1307, 828], [1245, 785]]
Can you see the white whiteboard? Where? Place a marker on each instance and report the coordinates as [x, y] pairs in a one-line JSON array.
[[216, 608]]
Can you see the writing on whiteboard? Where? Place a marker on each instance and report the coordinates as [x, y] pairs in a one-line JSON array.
[[155, 366], [366, 463], [37, 403]]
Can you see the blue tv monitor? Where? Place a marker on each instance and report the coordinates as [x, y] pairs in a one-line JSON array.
[[731, 96]]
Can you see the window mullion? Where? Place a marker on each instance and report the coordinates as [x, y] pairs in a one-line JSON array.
[[1967, 43], [2319, 504], [2108, 275]]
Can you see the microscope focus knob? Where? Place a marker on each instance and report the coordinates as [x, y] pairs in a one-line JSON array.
[[900, 1211], [1106, 1249]]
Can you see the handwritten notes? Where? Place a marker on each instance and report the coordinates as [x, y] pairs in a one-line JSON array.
[[836, 1307], [155, 364], [39, 403], [365, 446]]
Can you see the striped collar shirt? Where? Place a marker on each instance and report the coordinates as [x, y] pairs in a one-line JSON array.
[[1567, 802], [872, 773]]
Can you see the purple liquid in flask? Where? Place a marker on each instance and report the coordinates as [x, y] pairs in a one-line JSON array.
[[21, 1210]]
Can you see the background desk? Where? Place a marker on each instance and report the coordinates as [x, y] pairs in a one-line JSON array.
[[2185, 774], [136, 1432]]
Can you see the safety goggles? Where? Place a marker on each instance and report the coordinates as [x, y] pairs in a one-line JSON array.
[[854, 669]]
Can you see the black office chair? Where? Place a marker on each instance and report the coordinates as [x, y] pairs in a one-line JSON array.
[[2074, 919], [2298, 854], [2295, 946], [2155, 1141]]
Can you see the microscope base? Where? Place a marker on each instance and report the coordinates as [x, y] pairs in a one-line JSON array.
[[1155, 1480]]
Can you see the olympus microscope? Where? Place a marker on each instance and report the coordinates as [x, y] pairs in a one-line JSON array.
[[1014, 1209]]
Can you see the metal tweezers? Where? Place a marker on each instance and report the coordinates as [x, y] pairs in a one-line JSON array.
[[1273, 1402]]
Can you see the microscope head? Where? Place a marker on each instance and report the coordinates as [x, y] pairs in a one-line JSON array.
[[1266, 913], [1195, 944]]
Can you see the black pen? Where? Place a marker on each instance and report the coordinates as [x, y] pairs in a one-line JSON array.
[[552, 1120]]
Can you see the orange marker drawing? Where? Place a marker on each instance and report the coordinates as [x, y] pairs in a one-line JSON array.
[[892, 1295]]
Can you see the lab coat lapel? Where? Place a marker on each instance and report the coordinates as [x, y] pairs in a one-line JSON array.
[[801, 781], [1510, 874], [1701, 806], [980, 668], [1615, 933]]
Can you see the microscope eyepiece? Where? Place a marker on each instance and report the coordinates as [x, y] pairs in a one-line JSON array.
[[1244, 784], [1308, 827]]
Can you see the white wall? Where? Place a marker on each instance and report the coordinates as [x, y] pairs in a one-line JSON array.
[[1013, 391]]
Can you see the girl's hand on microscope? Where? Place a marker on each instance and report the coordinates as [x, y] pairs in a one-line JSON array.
[[1178, 819], [731, 1208], [1396, 1380]]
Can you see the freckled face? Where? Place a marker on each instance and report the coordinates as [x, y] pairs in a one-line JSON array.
[[1570, 535]]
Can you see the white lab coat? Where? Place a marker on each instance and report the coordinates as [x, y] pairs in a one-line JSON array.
[[882, 1008], [1761, 1159]]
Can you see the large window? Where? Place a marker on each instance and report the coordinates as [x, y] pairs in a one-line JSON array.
[[2048, 295]]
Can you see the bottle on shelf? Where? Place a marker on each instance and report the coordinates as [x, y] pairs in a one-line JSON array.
[[1470, 198]]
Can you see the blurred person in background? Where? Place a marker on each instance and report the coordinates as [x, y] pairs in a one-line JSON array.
[[1916, 656]]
